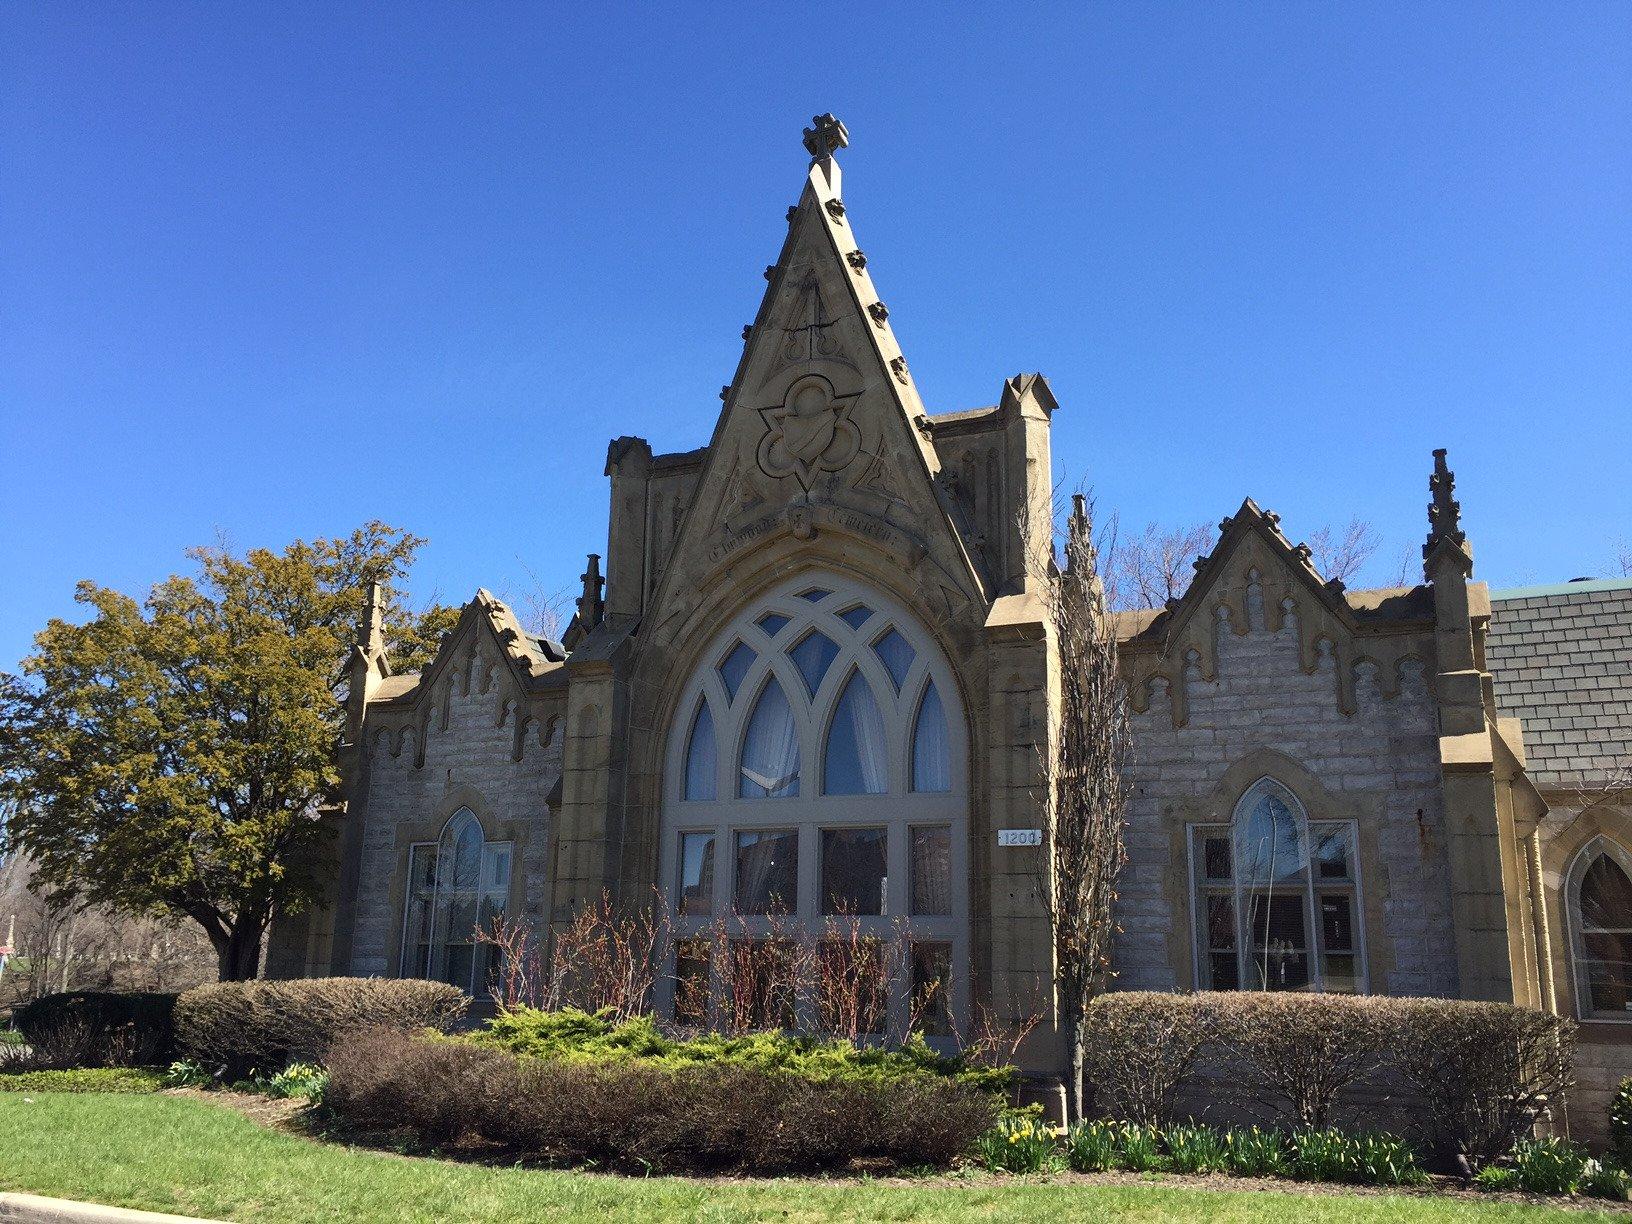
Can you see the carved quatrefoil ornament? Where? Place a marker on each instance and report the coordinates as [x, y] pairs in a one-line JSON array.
[[809, 432]]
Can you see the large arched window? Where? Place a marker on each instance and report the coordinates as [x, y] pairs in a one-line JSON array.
[[816, 781], [1276, 898], [457, 885], [1599, 892]]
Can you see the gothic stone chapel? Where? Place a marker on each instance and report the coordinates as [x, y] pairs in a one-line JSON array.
[[823, 671]]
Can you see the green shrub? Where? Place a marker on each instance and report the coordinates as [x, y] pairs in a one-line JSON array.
[[1195, 1149], [1093, 1147], [1498, 1179], [1620, 1121], [573, 1035], [1140, 1148], [100, 1028], [1253, 1152], [185, 1073], [84, 1079], [1606, 1181], [1386, 1160], [1549, 1165], [1322, 1155], [1019, 1143], [11, 1037], [639, 1116], [237, 1028], [1143, 1046], [301, 1079]]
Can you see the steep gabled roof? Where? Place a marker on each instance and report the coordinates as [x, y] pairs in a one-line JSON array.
[[533, 660], [1248, 521]]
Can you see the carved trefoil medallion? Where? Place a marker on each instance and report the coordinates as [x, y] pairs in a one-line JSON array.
[[809, 432]]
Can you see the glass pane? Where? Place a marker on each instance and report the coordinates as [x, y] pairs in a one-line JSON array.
[[1608, 970], [761, 985], [1332, 854], [857, 758], [496, 875], [702, 761], [854, 879], [772, 622], [931, 764], [812, 656], [696, 874], [1340, 975], [459, 967], [1606, 897], [770, 750], [467, 851], [896, 654], [734, 667], [852, 990], [932, 870], [815, 594], [1216, 858], [1269, 844], [1279, 944], [1336, 922], [931, 989], [1220, 923], [857, 616], [691, 983], [767, 872], [422, 867]]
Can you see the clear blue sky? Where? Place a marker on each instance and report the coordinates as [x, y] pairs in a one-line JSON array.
[[272, 270]]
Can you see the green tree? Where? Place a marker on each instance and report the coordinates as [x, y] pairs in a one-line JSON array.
[[173, 756]]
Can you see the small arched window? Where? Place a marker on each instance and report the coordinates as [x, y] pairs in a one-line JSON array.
[[458, 885], [1600, 896], [1276, 898]]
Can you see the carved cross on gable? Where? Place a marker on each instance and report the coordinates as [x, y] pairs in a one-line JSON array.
[[827, 137]]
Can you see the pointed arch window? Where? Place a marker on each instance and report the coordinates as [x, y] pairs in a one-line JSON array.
[[702, 756], [931, 765], [770, 749], [858, 756], [1276, 898], [1600, 902], [825, 721], [458, 885]]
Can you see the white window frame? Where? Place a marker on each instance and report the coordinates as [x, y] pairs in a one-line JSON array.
[[408, 951], [1201, 887], [1573, 880], [897, 810]]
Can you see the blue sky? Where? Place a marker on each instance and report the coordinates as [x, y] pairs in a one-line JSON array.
[[272, 270]]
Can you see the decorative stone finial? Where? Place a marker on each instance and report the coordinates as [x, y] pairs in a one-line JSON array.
[[371, 625], [1444, 511], [590, 604], [826, 138]]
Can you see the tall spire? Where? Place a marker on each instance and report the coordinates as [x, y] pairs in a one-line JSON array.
[[1445, 519]]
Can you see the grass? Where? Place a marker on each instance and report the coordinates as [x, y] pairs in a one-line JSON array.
[[170, 1153]]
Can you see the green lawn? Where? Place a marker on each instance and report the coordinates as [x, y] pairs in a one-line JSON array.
[[177, 1154]]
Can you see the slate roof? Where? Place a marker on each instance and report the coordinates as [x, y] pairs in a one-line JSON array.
[[1562, 661]]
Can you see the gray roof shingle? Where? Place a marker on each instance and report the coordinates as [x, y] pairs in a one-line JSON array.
[[1561, 657]]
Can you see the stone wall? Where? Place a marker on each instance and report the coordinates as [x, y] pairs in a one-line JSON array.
[[469, 761], [1263, 715]]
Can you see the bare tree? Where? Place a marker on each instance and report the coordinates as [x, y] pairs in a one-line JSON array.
[[1087, 795], [1623, 558], [1147, 570], [1341, 556]]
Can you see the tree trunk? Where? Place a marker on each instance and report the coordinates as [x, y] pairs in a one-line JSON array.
[[238, 955], [1076, 1036]]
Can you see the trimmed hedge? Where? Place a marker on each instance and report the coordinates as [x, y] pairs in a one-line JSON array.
[[578, 1036], [242, 1027], [1476, 1075], [641, 1117], [106, 1028]]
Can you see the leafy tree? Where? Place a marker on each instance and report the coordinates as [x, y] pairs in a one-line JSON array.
[[172, 757]]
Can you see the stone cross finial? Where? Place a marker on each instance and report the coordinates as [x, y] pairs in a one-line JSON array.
[[826, 138], [1444, 511], [590, 605]]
